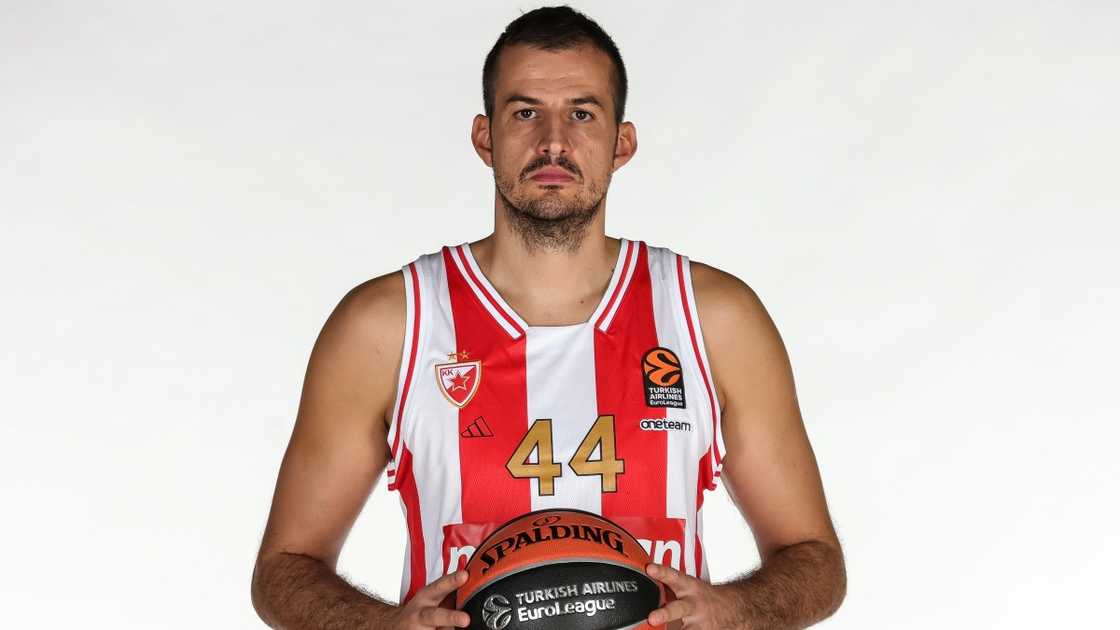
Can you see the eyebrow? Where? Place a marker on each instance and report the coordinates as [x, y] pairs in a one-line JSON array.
[[579, 100]]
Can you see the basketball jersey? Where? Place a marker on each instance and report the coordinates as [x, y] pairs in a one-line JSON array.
[[495, 418]]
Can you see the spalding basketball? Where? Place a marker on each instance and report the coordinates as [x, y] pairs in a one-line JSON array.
[[559, 569]]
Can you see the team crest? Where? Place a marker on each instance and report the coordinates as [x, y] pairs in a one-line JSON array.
[[459, 381]]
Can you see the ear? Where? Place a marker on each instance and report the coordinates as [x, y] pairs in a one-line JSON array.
[[625, 145], [480, 138]]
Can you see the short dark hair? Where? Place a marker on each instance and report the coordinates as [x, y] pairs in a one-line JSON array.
[[555, 28]]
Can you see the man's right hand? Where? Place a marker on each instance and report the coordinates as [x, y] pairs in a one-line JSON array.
[[424, 610]]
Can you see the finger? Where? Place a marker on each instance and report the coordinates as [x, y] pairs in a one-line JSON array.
[[669, 576], [436, 591], [674, 610], [441, 617]]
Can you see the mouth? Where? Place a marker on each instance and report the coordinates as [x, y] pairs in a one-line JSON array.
[[552, 175]]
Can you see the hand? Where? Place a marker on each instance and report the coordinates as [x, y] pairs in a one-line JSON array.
[[698, 604], [424, 610]]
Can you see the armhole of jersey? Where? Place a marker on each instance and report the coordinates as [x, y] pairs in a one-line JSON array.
[[692, 319], [408, 367]]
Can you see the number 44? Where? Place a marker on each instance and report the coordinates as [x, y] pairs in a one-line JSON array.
[[546, 470]]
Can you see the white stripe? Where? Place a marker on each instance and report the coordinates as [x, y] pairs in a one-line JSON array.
[[630, 264], [708, 403], [406, 573], [406, 350], [560, 382], [441, 490], [432, 428], [682, 448], [703, 571]]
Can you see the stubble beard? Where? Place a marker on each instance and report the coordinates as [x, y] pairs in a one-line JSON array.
[[550, 222]]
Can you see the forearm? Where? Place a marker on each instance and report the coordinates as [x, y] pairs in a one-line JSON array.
[[795, 588], [298, 592]]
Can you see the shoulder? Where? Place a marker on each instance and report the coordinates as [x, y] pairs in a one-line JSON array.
[[365, 331], [723, 300], [740, 337], [373, 302], [373, 314]]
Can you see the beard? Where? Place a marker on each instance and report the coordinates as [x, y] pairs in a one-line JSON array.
[[550, 221]]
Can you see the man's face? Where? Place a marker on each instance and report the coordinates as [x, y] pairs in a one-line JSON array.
[[552, 138]]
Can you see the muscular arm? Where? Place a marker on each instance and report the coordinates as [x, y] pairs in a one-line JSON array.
[[769, 467], [336, 454]]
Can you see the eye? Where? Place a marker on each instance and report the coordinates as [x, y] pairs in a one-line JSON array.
[[525, 114], [582, 115]]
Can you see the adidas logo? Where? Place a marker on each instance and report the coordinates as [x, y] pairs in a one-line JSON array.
[[478, 428]]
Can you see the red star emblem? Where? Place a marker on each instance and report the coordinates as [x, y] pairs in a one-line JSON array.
[[460, 380]]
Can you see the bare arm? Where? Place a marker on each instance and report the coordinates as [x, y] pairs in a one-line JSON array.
[[770, 472], [336, 454]]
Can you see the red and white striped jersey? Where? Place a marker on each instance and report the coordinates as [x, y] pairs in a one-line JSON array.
[[495, 418]]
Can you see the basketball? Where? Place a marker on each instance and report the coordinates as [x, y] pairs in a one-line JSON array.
[[559, 569]]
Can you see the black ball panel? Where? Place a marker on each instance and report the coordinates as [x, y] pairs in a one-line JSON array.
[[568, 595]]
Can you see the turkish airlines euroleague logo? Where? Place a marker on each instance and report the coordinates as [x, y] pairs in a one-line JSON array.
[[664, 382]]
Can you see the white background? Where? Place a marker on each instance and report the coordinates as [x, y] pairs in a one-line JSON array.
[[924, 194]]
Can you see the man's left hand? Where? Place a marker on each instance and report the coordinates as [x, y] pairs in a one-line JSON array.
[[698, 604]]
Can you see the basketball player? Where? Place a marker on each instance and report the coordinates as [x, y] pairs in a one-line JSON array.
[[549, 365]]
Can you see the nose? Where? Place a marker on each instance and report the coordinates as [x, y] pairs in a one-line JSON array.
[[554, 138]]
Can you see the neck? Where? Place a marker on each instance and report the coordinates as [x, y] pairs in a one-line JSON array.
[[548, 286]]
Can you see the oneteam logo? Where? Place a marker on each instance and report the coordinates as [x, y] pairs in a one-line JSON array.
[[664, 424]]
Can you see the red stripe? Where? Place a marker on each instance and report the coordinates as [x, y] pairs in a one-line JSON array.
[[704, 469], [626, 262], [482, 289], [699, 360], [699, 556], [418, 573], [411, 362], [489, 492], [621, 392]]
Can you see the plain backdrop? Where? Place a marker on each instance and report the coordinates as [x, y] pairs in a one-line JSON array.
[[924, 194]]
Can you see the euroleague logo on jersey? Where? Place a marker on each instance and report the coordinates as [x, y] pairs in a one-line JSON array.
[[664, 381]]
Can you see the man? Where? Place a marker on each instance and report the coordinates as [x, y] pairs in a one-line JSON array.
[[548, 365]]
